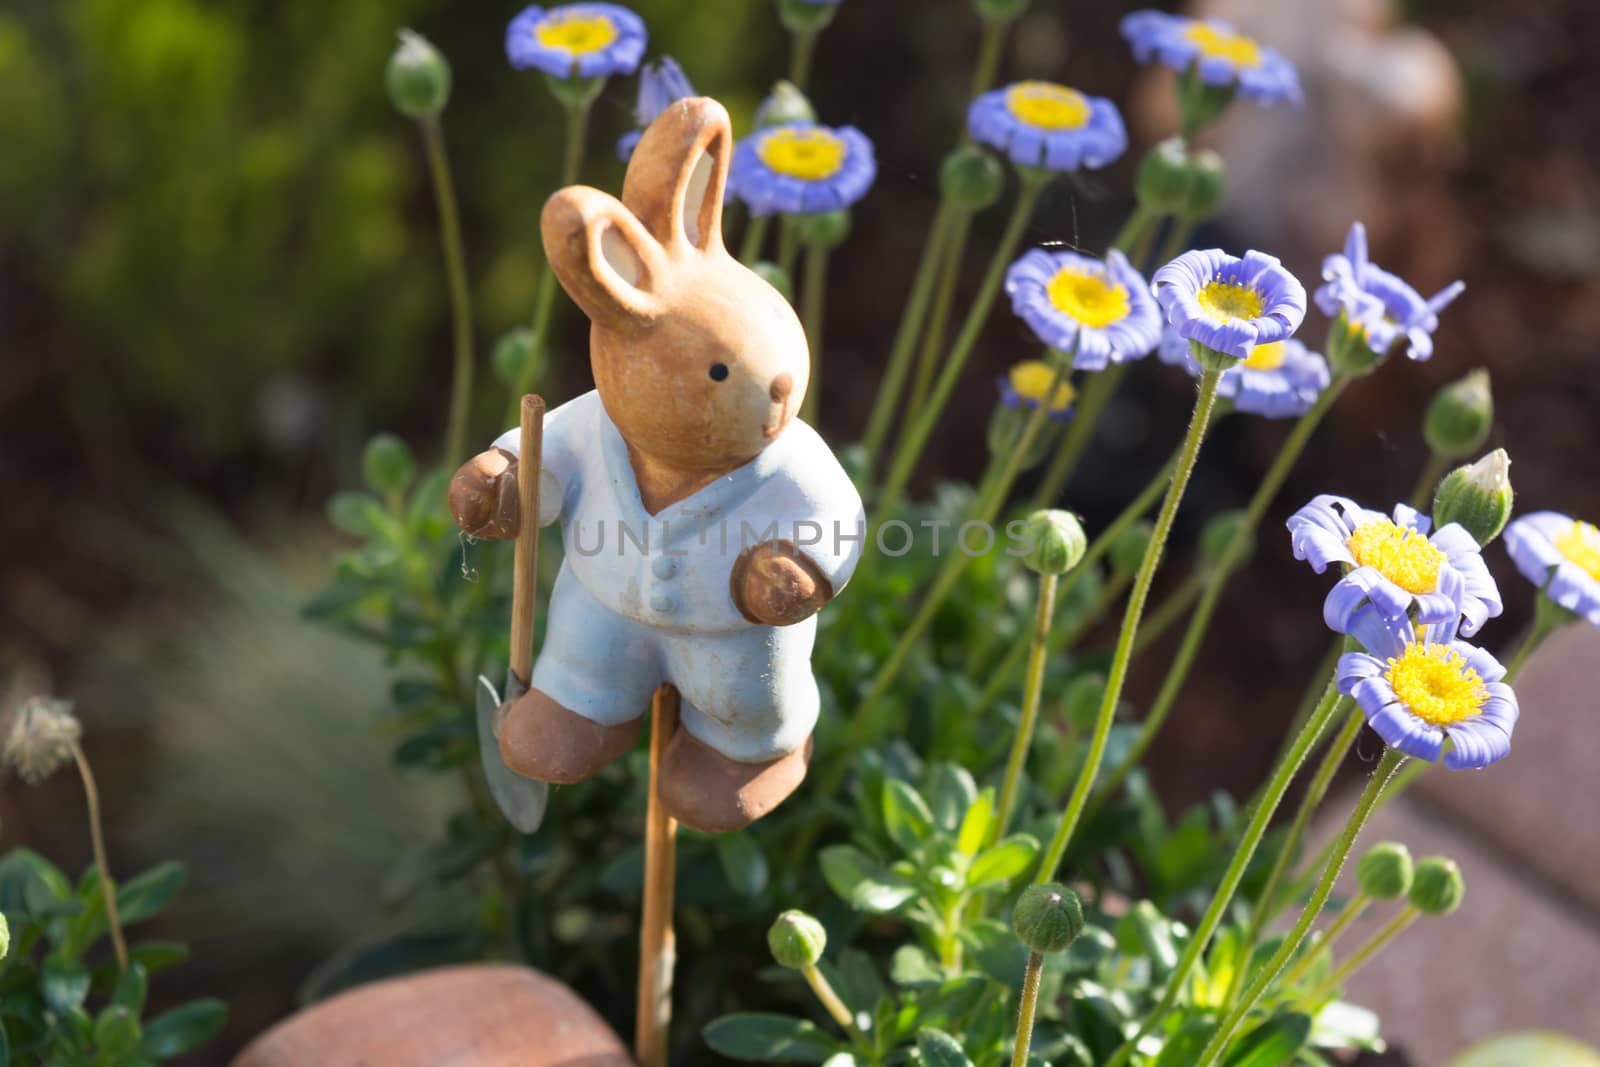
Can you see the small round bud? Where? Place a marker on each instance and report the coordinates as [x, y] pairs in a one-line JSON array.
[[797, 940], [1218, 534], [1477, 496], [971, 178], [1385, 873], [1207, 188], [776, 277], [807, 16], [785, 104], [1436, 887], [1460, 416], [1128, 550], [827, 228], [1047, 917], [1083, 698], [514, 360], [417, 77], [387, 465], [1056, 542], [1003, 12], [1163, 179]]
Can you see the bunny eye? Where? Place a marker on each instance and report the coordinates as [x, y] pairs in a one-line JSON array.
[[719, 371]]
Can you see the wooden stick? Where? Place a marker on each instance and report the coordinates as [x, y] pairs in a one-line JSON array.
[[525, 570], [657, 950]]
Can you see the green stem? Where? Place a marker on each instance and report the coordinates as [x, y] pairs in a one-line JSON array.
[[1391, 762], [813, 300], [1361, 956], [805, 47], [1324, 940], [1091, 406], [939, 318], [905, 458], [444, 193], [97, 841], [890, 396], [1029, 717], [835, 1007], [1031, 980], [1123, 654], [1260, 817], [755, 235], [788, 245], [1138, 224], [990, 46], [1265, 907], [1169, 611]]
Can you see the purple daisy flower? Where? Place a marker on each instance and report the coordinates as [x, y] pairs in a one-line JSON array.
[[1378, 304], [1042, 124], [1394, 565], [1278, 380], [1099, 311], [1561, 556], [802, 168], [1417, 690], [660, 84], [1230, 305], [585, 40], [1218, 53]]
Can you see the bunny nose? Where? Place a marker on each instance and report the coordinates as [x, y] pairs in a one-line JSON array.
[[782, 386]]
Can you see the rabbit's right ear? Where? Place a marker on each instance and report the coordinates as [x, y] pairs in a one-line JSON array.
[[606, 260]]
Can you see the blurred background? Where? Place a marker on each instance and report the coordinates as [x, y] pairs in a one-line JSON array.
[[219, 275]]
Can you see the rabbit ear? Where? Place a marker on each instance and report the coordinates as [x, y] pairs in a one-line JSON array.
[[606, 260], [679, 173]]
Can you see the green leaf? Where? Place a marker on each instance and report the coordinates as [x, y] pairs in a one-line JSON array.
[[356, 513], [386, 464], [1183, 1048], [1145, 931], [914, 967], [905, 814], [1272, 1044], [146, 894], [1005, 861], [996, 950], [131, 989], [758, 1037], [183, 1028], [65, 984], [31, 887], [862, 881], [976, 823], [157, 956], [951, 793], [743, 863], [939, 1049], [1343, 1025], [116, 1032]]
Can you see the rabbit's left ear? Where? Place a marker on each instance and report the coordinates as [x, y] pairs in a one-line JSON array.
[[679, 172]]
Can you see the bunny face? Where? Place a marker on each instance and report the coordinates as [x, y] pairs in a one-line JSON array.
[[699, 362]]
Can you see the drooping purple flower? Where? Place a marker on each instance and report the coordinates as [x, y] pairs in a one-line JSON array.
[[660, 84], [1382, 306]]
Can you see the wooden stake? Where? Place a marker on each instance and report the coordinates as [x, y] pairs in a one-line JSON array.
[[657, 950], [525, 570]]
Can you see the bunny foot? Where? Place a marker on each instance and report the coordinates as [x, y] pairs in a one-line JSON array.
[[707, 791], [541, 739]]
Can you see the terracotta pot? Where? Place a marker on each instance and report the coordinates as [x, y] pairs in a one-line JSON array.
[[470, 1016]]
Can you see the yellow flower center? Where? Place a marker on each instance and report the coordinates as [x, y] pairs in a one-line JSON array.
[[1048, 106], [1269, 356], [1403, 556], [1580, 543], [1236, 48], [1031, 380], [809, 153], [1226, 301], [1088, 296], [1436, 684], [576, 32]]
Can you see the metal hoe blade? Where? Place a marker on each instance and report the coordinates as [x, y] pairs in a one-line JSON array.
[[521, 800]]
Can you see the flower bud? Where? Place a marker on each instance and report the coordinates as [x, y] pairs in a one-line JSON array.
[[417, 77], [1436, 887], [785, 104], [1460, 416], [776, 277], [1047, 917], [387, 465], [1128, 550], [1478, 496], [44, 733], [827, 228], [1003, 12], [1347, 350], [1207, 188], [971, 178], [515, 362], [1056, 542], [1162, 183], [807, 16], [797, 940], [1217, 535], [1385, 873], [1083, 698]]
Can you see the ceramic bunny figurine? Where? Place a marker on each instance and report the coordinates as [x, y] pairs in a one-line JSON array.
[[704, 526]]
